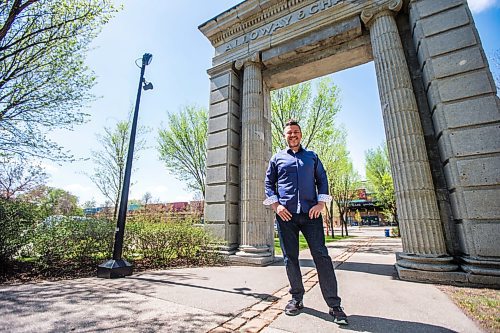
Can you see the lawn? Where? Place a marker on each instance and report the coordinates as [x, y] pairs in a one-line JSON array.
[[303, 243], [480, 304]]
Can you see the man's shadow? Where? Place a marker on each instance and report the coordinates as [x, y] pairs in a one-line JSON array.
[[359, 323]]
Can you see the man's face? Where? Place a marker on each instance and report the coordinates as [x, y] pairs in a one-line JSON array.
[[293, 135]]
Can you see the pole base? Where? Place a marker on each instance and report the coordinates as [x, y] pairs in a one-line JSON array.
[[113, 269]]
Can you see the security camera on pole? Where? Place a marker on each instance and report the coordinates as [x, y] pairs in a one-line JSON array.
[[119, 267]]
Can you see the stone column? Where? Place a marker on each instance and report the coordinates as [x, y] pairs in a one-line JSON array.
[[421, 229], [222, 167], [254, 228], [465, 109]]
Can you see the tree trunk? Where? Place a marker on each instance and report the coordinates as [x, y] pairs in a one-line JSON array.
[[326, 219], [329, 221], [342, 224]]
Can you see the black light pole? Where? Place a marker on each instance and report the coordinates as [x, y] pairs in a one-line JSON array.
[[119, 267]]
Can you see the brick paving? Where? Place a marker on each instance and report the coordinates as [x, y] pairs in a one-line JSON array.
[[261, 314]]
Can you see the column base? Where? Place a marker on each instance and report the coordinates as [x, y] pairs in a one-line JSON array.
[[458, 278], [253, 255], [251, 261], [228, 250], [426, 262], [254, 251], [480, 266]]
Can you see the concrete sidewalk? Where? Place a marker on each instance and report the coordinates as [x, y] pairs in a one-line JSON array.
[[226, 299]]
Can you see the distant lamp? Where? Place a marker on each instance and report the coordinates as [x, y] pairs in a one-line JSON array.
[[147, 85], [146, 58]]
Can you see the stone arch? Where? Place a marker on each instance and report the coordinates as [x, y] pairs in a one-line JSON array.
[[436, 92]]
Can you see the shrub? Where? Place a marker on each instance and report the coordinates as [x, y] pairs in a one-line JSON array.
[[73, 240], [168, 244], [395, 232], [17, 222]]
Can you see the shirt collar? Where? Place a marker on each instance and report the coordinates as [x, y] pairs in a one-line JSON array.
[[290, 151]]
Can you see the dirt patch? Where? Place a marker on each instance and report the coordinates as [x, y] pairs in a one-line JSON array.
[[22, 272], [480, 304]]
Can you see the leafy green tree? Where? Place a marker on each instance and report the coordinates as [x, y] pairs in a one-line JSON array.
[[378, 174], [183, 144], [315, 114], [343, 180], [111, 159], [43, 77], [357, 217], [17, 176], [53, 201]]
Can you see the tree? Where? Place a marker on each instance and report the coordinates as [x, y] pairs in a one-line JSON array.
[[357, 217], [89, 204], [111, 159], [315, 114], [344, 183], [146, 198], [43, 77], [53, 201], [183, 144], [17, 177], [343, 180], [378, 174]]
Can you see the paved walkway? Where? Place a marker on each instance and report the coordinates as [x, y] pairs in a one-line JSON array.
[[241, 299]]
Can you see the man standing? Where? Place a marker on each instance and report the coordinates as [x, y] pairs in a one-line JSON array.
[[291, 181]]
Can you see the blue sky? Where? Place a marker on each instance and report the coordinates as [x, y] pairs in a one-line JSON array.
[[181, 56]]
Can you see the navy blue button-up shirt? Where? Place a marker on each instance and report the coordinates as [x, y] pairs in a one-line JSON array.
[[292, 178]]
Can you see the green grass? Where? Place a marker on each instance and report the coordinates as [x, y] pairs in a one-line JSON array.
[[480, 304], [303, 243]]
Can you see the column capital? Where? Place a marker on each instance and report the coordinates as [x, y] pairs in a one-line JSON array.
[[392, 7], [222, 68], [253, 58]]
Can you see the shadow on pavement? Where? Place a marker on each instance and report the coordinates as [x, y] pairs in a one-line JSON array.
[[240, 291], [359, 323], [48, 307], [305, 263], [378, 269]]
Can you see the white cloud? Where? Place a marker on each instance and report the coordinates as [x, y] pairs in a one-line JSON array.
[[161, 192], [83, 192], [477, 6]]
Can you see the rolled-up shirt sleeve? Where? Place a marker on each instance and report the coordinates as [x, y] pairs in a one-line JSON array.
[[270, 183], [324, 198]]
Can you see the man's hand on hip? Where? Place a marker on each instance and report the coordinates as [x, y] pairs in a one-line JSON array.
[[282, 211], [316, 210]]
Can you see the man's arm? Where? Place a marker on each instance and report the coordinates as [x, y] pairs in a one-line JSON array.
[[271, 193], [270, 182], [321, 180]]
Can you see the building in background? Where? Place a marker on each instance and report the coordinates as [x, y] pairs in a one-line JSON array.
[[365, 211]]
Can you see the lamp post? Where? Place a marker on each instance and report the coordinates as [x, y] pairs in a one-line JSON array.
[[119, 267]]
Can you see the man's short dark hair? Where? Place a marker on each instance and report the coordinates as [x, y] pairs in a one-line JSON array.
[[291, 122]]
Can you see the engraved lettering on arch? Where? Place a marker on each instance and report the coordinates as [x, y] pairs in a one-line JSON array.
[[270, 28]]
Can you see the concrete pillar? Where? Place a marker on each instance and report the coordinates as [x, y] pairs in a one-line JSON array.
[[421, 230], [255, 247], [222, 168]]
